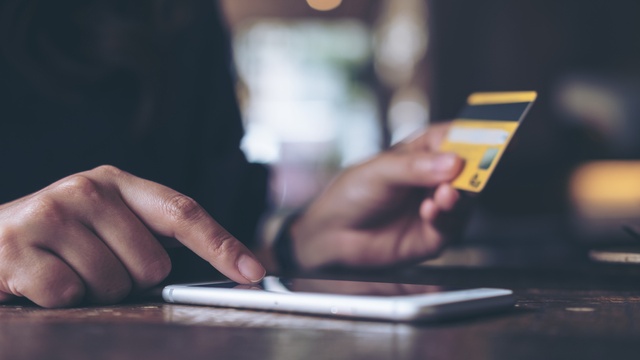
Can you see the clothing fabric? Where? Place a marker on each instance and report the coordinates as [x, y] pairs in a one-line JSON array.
[[190, 142]]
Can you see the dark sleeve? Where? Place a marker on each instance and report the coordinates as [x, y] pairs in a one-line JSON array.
[[197, 139], [230, 188], [240, 186]]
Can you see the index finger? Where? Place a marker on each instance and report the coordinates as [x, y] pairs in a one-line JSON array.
[[170, 213]]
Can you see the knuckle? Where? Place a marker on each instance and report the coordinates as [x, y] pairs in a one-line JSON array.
[[71, 295], [108, 171], [357, 193], [65, 295], [156, 271], [80, 185], [220, 244], [45, 208], [182, 208]]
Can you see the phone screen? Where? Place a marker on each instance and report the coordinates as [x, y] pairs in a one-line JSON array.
[[343, 287]]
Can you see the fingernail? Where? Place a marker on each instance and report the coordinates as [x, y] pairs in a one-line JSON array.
[[445, 162], [250, 268]]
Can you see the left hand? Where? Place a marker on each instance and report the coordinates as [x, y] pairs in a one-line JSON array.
[[395, 208]]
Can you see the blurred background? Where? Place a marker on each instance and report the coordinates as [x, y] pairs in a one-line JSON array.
[[327, 83]]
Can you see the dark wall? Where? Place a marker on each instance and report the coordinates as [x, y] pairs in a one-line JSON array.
[[530, 44]]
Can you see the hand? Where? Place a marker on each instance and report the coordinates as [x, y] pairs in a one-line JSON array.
[[89, 237], [396, 208]]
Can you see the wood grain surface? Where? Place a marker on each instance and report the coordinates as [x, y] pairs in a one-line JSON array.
[[584, 312]]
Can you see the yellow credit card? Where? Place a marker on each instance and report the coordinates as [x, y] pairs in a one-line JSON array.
[[482, 131]]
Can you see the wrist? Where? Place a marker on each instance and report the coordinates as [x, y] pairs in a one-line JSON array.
[[284, 247]]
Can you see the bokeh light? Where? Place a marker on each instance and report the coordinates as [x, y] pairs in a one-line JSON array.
[[324, 5]]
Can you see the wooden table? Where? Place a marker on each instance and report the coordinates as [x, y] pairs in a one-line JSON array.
[[587, 311]]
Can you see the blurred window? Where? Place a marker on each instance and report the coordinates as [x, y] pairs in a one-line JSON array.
[[306, 109]]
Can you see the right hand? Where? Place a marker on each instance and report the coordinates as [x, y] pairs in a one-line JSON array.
[[395, 208], [88, 237]]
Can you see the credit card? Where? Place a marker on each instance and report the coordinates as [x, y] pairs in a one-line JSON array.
[[481, 132]]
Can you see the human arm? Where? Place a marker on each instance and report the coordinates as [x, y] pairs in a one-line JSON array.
[[395, 208], [90, 237]]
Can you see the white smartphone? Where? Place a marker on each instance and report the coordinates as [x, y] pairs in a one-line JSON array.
[[370, 300]]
